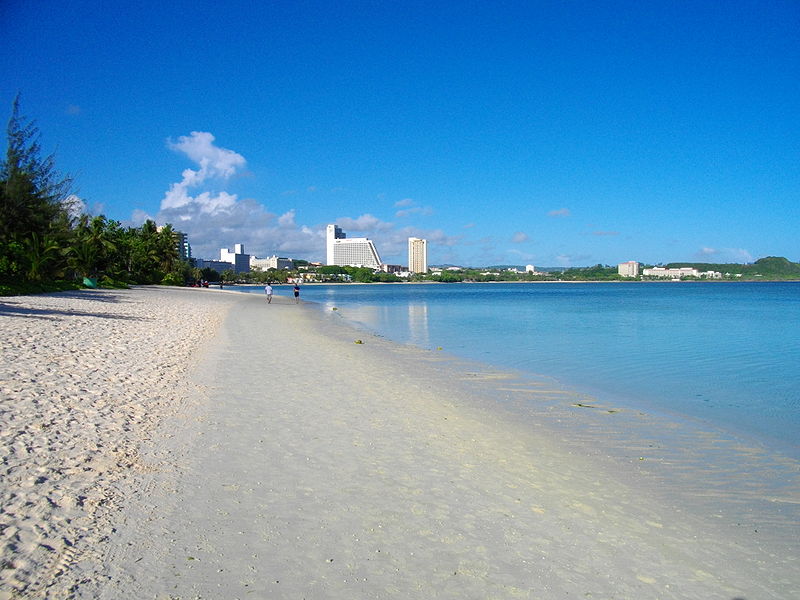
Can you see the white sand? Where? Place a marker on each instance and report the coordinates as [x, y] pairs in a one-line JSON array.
[[298, 464], [85, 378]]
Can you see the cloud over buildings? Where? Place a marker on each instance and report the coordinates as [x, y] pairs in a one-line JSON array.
[[203, 205]]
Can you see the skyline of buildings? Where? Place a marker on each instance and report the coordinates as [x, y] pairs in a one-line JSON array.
[[362, 252], [340, 251]]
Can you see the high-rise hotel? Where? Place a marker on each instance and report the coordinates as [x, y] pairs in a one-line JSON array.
[[350, 252], [417, 255]]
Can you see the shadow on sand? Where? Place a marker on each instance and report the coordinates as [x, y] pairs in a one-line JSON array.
[[14, 308]]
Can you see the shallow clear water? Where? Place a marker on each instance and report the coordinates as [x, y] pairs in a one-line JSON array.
[[727, 353]]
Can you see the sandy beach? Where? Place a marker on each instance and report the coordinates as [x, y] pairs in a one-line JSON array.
[[183, 443]]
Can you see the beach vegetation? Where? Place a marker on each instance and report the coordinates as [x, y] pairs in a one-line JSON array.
[[48, 243]]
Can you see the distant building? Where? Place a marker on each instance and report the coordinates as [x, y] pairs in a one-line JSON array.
[[628, 269], [679, 272], [217, 265], [240, 260], [272, 262], [393, 268], [350, 252], [417, 255]]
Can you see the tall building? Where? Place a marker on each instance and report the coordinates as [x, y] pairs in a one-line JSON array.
[[240, 260], [350, 252], [628, 269], [417, 255]]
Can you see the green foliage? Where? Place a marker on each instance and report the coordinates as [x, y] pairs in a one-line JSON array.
[[210, 274], [40, 253], [596, 273], [332, 270], [173, 279], [41, 242], [449, 277], [776, 267], [34, 211]]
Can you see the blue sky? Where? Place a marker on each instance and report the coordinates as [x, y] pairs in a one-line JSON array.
[[545, 133]]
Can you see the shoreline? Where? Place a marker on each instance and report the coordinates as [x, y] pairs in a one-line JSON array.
[[345, 484], [452, 467], [661, 280]]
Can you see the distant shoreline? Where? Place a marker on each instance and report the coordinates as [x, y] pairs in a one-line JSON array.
[[579, 281]]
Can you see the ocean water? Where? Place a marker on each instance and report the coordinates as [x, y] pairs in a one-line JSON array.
[[724, 353]]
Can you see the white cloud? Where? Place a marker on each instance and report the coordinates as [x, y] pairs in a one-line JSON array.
[[738, 255], [519, 237], [365, 222], [216, 164], [521, 255], [138, 217], [559, 212], [287, 219], [410, 207], [571, 260], [741, 254], [415, 210], [213, 160], [245, 222]]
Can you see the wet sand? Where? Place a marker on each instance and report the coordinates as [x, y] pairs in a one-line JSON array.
[[274, 457]]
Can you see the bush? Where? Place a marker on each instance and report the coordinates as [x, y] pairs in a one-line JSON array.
[[173, 279]]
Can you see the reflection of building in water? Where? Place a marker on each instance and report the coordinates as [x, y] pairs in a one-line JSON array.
[[418, 325]]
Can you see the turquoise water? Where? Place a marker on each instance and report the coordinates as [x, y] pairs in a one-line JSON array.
[[726, 353]]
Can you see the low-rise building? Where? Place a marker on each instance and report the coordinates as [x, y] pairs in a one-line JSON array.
[[680, 272], [272, 262]]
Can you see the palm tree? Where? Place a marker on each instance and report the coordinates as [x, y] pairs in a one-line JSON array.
[[40, 251]]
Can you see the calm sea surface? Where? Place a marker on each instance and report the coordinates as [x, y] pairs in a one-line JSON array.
[[725, 353]]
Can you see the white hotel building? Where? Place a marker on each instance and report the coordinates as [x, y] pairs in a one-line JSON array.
[[628, 269], [350, 252], [417, 255]]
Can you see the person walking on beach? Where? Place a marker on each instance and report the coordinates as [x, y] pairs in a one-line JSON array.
[[268, 292], [296, 293]]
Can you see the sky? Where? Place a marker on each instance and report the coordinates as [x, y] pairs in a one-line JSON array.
[[559, 133]]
